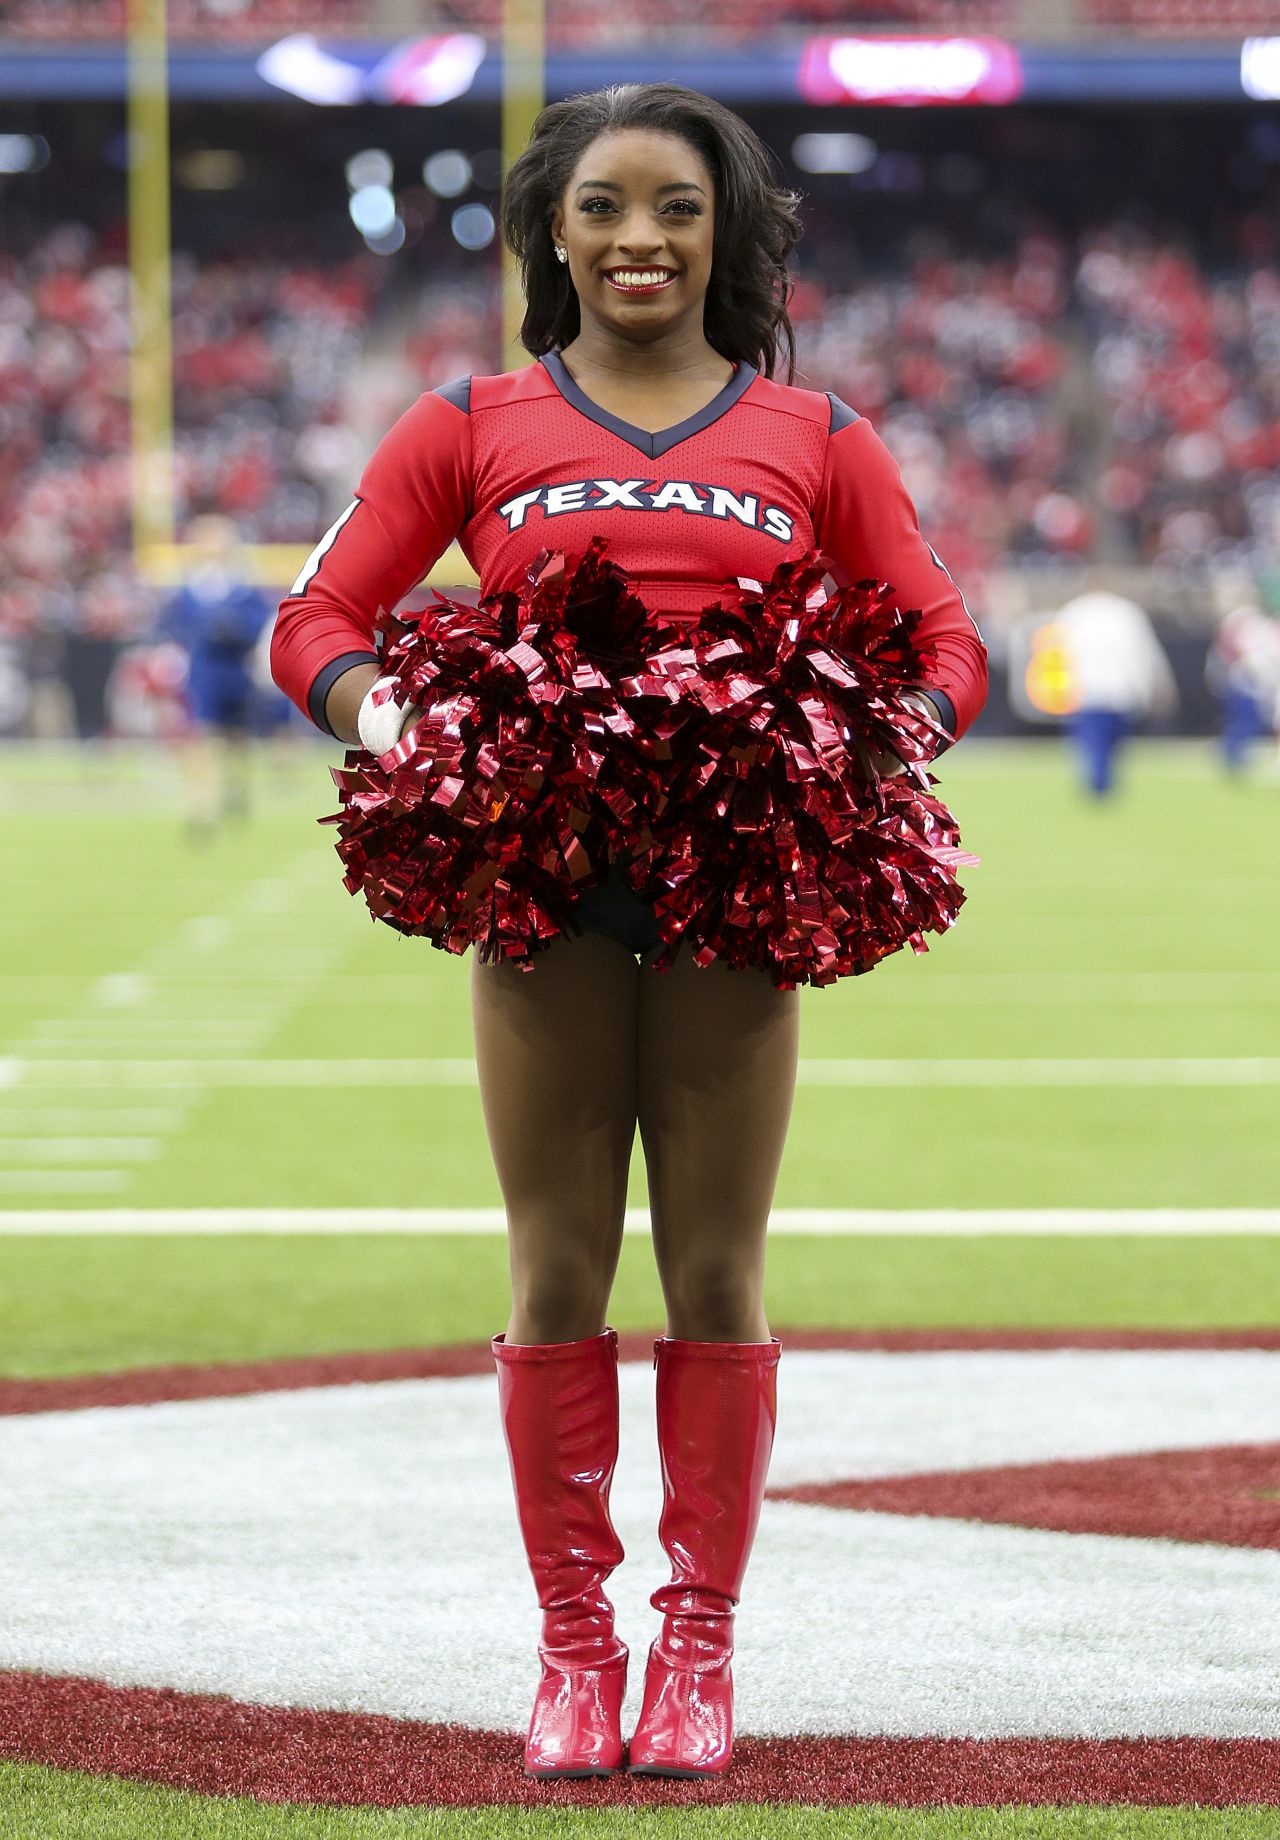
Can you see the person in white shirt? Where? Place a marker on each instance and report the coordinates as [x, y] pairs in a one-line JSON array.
[[1120, 674]]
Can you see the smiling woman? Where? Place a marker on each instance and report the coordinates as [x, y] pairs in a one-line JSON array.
[[654, 243], [671, 231]]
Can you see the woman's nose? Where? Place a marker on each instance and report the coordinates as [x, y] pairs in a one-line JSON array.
[[638, 237]]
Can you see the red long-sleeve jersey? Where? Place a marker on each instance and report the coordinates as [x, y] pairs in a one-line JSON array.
[[518, 463]]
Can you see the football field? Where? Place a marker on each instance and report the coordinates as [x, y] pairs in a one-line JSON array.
[[1018, 1568]]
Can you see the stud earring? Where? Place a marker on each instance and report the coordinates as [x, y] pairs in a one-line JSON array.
[[562, 255]]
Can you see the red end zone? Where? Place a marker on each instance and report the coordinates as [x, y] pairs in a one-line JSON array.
[[216, 1747], [220, 1746]]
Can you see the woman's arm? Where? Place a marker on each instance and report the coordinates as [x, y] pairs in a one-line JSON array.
[[865, 521], [413, 498]]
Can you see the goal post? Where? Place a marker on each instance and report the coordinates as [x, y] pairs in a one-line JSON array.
[[151, 319], [523, 94], [158, 557]]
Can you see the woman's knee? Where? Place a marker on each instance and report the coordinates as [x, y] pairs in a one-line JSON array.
[[562, 1293], [716, 1297]]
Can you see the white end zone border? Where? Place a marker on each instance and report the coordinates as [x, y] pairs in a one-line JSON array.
[[354, 1546], [835, 1223]]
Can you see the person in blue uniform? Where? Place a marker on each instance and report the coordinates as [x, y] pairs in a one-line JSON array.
[[217, 617]]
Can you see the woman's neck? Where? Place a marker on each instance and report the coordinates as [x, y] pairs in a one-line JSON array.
[[598, 351]]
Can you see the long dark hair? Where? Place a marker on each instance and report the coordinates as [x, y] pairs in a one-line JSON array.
[[756, 225]]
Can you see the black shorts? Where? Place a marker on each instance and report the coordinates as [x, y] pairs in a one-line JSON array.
[[612, 907]]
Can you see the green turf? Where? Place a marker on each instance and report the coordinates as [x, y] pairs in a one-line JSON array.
[[79, 1305], [38, 1804], [1139, 930], [1144, 929]]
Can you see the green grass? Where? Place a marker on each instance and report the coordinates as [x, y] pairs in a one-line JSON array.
[[1140, 930], [81, 1305], [40, 1804], [1088, 932]]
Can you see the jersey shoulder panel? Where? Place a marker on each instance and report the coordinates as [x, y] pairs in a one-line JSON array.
[[790, 399], [530, 383], [842, 416], [457, 392]]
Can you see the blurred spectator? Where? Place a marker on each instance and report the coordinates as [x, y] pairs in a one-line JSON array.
[[1243, 671], [217, 618], [1119, 674]]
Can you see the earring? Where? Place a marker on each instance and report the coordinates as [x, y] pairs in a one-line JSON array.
[[562, 255]]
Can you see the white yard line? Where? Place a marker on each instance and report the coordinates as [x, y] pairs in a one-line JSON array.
[[36, 1070], [1097, 1071], [947, 989], [214, 988], [825, 1222], [77, 1149], [60, 1182], [30, 1122], [1033, 989]]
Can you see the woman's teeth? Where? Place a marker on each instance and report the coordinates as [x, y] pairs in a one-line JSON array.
[[639, 278]]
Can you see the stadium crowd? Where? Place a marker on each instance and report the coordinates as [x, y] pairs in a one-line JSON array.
[[204, 20], [583, 23], [958, 361], [1187, 367], [262, 355], [973, 367]]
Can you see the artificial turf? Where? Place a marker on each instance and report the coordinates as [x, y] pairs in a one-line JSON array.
[[1140, 929], [85, 1305], [39, 1804]]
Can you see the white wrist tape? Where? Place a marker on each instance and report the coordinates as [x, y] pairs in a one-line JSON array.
[[379, 724]]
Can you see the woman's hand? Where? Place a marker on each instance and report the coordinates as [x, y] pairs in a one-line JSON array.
[[889, 765], [383, 721]]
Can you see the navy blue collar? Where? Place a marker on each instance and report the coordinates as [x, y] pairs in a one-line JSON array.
[[651, 444]]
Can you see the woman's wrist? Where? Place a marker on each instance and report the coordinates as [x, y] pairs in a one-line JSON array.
[[342, 705]]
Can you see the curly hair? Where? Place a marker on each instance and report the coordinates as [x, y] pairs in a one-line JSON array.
[[756, 223]]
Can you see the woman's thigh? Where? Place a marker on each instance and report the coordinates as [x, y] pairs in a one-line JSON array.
[[717, 1054], [556, 1055]]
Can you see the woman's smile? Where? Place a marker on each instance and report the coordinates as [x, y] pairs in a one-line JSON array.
[[640, 280]]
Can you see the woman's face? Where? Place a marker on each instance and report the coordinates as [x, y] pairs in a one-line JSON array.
[[637, 219]]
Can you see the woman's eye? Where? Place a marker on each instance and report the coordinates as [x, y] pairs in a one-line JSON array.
[[684, 207]]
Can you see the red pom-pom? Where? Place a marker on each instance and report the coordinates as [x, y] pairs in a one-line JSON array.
[[780, 842], [736, 767], [519, 781]]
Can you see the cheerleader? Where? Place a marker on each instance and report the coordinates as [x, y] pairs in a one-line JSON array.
[[653, 242]]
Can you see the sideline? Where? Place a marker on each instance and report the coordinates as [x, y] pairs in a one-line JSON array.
[[163, 1074], [825, 1222]]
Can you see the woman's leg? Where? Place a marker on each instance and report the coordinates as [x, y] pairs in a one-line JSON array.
[[716, 1074], [556, 1053], [555, 1049]]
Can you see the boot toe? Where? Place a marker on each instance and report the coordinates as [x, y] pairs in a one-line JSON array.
[[576, 1727], [686, 1723]]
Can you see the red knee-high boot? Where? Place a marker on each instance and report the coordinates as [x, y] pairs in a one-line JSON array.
[[717, 1407], [559, 1406]]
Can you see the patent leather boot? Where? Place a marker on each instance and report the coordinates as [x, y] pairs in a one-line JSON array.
[[717, 1407], [559, 1407]]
